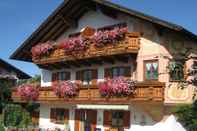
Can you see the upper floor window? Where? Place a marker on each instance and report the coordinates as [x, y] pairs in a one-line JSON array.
[[61, 76], [176, 70], [87, 76], [151, 70], [118, 71]]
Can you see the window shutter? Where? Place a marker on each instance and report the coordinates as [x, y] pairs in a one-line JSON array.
[[66, 116], [107, 118], [79, 77], [54, 76], [94, 76], [126, 119], [127, 71], [53, 115], [108, 73], [35, 117]]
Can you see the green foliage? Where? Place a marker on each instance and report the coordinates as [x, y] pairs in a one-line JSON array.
[[5, 92], [187, 114], [34, 80], [16, 116], [1, 124]]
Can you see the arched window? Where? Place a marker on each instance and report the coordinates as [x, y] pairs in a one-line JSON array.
[[176, 69]]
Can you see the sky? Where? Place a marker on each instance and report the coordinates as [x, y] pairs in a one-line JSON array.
[[19, 18]]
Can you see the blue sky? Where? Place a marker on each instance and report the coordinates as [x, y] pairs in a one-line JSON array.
[[19, 18]]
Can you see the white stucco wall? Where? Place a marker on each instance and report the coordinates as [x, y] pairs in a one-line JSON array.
[[46, 75], [97, 19], [136, 117]]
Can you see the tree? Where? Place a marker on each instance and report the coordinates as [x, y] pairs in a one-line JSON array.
[[187, 114], [5, 92]]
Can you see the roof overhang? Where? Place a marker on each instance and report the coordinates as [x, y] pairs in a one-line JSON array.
[[67, 15]]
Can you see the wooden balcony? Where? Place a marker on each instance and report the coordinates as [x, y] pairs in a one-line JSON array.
[[130, 45], [91, 95]]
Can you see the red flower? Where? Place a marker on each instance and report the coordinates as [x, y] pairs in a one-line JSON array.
[[28, 92], [65, 89], [73, 44], [102, 38], [117, 87], [41, 49]]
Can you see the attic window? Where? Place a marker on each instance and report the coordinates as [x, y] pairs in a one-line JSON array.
[[110, 27], [74, 34]]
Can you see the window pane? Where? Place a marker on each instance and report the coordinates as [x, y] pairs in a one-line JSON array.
[[87, 76], [117, 119], [115, 72], [151, 70], [176, 70]]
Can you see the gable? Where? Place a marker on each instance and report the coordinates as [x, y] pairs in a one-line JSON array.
[[70, 11]]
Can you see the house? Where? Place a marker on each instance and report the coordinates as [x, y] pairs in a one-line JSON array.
[[9, 73], [107, 67]]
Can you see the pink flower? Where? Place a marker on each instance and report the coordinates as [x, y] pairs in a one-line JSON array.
[[117, 87], [101, 38], [28, 92], [73, 44], [41, 49], [65, 89]]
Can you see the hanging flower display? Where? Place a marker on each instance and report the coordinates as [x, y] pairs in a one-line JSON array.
[[101, 38], [73, 44], [65, 89], [118, 86], [28, 92], [41, 49]]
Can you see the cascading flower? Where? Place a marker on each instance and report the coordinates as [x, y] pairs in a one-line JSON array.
[[65, 89], [41, 49], [101, 38], [28, 92], [73, 44], [118, 86]]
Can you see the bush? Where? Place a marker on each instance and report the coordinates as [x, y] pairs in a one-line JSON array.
[[16, 116], [187, 114]]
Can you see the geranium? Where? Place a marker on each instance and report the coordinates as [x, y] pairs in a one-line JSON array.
[[102, 38], [65, 89], [118, 86], [28, 92], [73, 44], [41, 49]]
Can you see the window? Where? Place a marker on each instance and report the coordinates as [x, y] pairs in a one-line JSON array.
[[176, 70], [151, 70], [117, 119], [61, 76], [118, 71], [59, 115], [87, 76]]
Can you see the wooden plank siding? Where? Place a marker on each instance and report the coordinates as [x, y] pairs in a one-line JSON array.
[[90, 95]]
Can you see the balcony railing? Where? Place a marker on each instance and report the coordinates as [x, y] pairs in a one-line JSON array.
[[90, 94], [130, 44]]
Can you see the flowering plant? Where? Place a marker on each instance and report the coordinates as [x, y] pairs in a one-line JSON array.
[[41, 49], [73, 44], [118, 86], [28, 92], [65, 89], [102, 38]]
